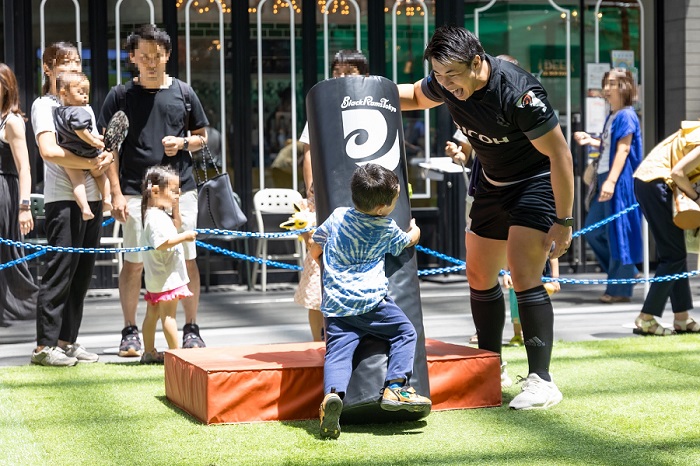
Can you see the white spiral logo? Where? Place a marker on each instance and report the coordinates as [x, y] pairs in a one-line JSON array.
[[365, 132]]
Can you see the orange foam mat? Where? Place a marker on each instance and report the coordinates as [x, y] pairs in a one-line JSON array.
[[285, 382]]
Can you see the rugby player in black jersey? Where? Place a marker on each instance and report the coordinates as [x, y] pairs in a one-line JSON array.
[[524, 198]]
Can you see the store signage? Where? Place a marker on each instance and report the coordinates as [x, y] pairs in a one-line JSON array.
[[549, 61]]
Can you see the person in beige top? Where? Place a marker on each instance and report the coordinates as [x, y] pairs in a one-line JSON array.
[[675, 162]]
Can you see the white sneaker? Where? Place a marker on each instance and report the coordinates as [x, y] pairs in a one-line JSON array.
[[506, 381], [536, 394], [78, 351], [52, 356]]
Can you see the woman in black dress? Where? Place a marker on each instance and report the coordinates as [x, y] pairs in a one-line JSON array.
[[18, 291]]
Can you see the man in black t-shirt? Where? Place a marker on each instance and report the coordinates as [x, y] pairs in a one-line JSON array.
[[524, 199], [157, 107]]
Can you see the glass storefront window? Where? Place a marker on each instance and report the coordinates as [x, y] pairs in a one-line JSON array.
[[60, 18], [207, 19], [275, 36], [532, 31], [535, 34]]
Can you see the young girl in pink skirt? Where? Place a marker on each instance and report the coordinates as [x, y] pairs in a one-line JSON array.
[[164, 265]]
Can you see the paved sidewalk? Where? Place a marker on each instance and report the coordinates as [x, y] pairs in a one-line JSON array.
[[231, 315]]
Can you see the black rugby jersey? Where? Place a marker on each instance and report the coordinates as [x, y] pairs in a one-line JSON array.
[[500, 119]]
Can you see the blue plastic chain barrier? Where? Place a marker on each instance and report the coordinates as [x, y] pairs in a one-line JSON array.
[[605, 221], [7, 265], [237, 255], [460, 264]]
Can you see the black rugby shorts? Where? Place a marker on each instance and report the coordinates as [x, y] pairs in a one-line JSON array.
[[529, 203]]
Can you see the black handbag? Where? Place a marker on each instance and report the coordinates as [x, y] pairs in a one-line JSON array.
[[219, 206]]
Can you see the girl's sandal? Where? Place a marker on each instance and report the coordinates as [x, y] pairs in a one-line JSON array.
[[686, 326], [651, 327]]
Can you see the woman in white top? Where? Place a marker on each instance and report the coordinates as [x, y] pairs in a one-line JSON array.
[[67, 278]]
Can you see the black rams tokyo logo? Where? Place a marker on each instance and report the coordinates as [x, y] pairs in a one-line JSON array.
[[529, 99], [371, 131]]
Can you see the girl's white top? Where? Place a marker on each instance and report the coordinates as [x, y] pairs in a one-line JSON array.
[[164, 270]]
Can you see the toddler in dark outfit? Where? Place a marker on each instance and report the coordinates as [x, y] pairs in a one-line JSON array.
[[74, 126]]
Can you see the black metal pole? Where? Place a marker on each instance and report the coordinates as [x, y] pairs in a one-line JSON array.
[[376, 38], [308, 44], [240, 147], [99, 77], [171, 27]]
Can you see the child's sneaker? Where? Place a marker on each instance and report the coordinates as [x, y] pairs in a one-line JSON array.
[[536, 394], [329, 412], [406, 398], [153, 357]]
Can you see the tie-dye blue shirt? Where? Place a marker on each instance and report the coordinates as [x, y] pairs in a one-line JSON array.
[[354, 245]]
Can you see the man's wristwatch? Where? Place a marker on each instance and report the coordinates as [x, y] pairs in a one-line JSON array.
[[565, 222], [185, 143]]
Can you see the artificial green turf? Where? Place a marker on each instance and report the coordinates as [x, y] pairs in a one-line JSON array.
[[631, 401]]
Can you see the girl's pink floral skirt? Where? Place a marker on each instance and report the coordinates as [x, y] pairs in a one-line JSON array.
[[178, 293]]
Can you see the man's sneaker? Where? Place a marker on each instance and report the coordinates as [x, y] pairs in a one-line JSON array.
[[154, 357], [329, 412], [52, 356], [130, 346], [406, 398], [536, 394], [506, 382], [78, 351], [191, 338]]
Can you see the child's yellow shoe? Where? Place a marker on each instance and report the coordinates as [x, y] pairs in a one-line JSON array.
[[404, 398], [329, 412]]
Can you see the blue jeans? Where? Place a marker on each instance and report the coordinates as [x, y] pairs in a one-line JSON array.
[[598, 239], [388, 322]]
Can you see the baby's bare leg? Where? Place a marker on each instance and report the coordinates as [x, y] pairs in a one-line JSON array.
[[77, 179], [105, 189]]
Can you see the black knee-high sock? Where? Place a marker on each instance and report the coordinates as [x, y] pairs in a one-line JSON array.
[[489, 313], [537, 319]]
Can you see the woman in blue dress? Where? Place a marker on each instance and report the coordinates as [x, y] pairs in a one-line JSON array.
[[618, 244]]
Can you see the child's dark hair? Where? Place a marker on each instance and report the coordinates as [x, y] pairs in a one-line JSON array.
[[158, 175], [353, 58], [66, 80], [372, 186], [148, 32]]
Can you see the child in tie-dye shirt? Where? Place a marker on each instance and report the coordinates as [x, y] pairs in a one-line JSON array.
[[352, 243]]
